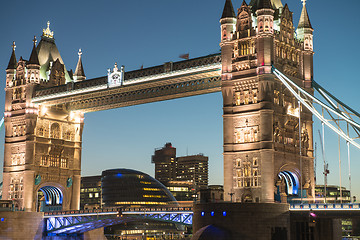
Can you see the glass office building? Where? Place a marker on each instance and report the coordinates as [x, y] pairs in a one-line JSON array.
[[131, 188]]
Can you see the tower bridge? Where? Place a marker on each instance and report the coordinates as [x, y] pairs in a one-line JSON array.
[[265, 74]]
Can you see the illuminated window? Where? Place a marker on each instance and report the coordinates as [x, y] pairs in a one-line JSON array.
[[276, 97], [237, 98], [90, 195], [55, 130], [248, 174], [53, 161], [64, 163], [254, 100], [44, 161], [246, 97], [40, 131]]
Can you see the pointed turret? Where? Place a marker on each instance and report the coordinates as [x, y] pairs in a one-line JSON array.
[[34, 59], [304, 18], [79, 74], [228, 10], [260, 4], [305, 30], [265, 31], [12, 63], [305, 34], [264, 4], [228, 23], [277, 4], [33, 66]]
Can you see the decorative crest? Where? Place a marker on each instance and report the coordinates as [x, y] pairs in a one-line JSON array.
[[80, 52], [34, 40], [13, 46], [47, 32], [304, 2], [116, 78]]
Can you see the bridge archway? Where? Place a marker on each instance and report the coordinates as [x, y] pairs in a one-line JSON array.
[[49, 198], [287, 185]]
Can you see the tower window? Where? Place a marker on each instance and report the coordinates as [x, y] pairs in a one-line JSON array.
[[55, 130]]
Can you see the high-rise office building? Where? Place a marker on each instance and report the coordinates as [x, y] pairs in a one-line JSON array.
[[169, 168], [90, 192], [193, 168], [165, 164]]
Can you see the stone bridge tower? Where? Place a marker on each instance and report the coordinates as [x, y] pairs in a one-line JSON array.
[[261, 118], [42, 154]]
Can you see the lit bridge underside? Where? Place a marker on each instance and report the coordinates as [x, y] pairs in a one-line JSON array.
[[80, 221], [171, 80]]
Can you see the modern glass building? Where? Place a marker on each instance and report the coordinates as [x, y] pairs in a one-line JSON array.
[[131, 188]]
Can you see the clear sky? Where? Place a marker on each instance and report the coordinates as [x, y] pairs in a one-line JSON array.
[[148, 33]]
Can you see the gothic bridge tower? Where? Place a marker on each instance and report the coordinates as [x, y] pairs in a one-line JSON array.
[[262, 147], [42, 154]]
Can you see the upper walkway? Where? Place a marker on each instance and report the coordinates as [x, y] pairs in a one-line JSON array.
[[168, 81]]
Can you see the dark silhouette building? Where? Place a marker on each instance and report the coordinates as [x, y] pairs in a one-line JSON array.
[[90, 192], [165, 164]]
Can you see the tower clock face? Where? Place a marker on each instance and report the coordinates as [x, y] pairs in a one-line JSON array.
[[115, 78]]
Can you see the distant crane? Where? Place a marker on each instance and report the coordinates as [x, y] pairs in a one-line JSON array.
[[326, 165]]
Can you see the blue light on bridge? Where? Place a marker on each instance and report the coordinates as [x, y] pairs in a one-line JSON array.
[[212, 213], [119, 175], [2, 219], [202, 213], [224, 214]]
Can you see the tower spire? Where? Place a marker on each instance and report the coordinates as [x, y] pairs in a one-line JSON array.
[[12, 63], [34, 59], [304, 17], [79, 71], [228, 10]]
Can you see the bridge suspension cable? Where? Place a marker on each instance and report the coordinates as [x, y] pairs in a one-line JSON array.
[[338, 112]]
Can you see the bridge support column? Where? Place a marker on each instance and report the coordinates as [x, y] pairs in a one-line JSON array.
[[238, 221], [75, 197]]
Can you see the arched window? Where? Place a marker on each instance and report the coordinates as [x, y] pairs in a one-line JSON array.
[[55, 130]]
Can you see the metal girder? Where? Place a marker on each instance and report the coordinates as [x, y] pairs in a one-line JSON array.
[[82, 221], [336, 110], [183, 218]]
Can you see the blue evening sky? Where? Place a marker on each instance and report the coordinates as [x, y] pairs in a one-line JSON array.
[[148, 33]]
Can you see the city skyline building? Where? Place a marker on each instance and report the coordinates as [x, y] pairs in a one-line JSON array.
[[90, 192], [170, 168]]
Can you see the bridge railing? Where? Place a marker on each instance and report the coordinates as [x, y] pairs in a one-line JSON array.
[[118, 210], [324, 206]]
